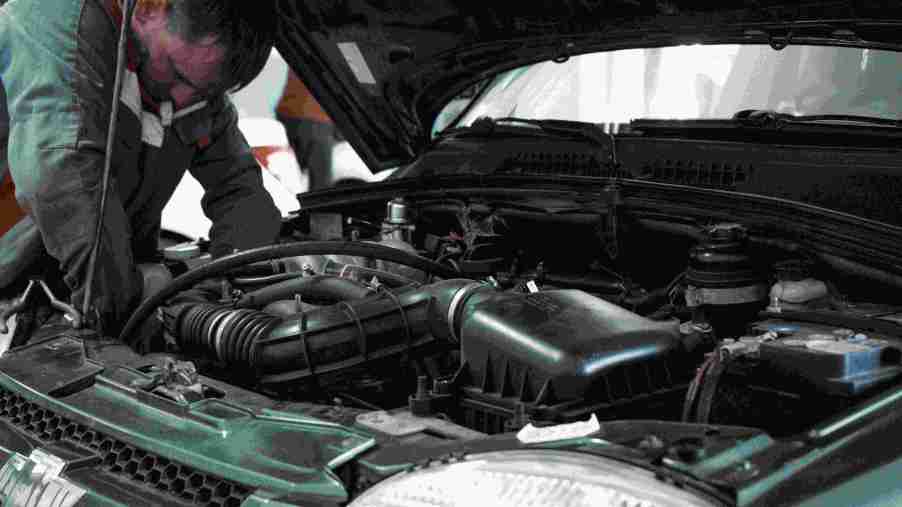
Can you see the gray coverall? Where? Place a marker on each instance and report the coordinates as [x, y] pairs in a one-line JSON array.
[[57, 67]]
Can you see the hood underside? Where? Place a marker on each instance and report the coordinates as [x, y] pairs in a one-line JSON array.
[[383, 69]]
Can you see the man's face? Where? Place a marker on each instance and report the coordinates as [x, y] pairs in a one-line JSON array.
[[171, 67]]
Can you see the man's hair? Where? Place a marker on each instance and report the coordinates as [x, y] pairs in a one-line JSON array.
[[245, 29]]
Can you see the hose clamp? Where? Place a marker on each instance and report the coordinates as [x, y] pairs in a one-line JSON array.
[[456, 301]]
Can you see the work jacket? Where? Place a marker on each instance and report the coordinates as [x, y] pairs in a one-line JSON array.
[[57, 67]]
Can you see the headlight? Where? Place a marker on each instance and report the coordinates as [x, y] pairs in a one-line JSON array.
[[536, 478]]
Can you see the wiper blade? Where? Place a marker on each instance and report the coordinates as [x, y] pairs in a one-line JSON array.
[[771, 126], [770, 118]]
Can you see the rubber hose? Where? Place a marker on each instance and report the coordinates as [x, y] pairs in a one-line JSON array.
[[317, 287], [228, 262], [338, 269], [586, 283], [350, 270], [266, 279], [263, 269], [423, 314]]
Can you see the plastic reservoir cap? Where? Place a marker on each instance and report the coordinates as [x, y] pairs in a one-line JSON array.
[[182, 252], [783, 328]]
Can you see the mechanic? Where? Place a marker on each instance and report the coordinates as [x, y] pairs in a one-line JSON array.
[[57, 66], [311, 132]]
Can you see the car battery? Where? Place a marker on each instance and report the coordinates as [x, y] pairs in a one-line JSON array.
[[835, 361], [787, 376]]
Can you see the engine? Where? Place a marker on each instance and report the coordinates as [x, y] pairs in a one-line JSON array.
[[532, 331]]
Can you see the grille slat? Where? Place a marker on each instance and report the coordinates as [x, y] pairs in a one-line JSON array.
[[182, 483]]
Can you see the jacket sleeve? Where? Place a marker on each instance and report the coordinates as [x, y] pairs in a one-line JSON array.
[[58, 84], [241, 209]]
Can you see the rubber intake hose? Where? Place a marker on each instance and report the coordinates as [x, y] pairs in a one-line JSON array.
[[283, 350], [587, 283], [229, 262], [226, 334], [319, 287], [347, 335], [258, 269]]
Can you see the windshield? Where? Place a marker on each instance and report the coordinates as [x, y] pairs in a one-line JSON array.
[[698, 82]]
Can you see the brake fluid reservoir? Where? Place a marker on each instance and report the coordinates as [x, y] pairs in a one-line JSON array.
[[796, 295]]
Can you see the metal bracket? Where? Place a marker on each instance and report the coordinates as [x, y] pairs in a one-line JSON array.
[[611, 239], [176, 380], [69, 312]]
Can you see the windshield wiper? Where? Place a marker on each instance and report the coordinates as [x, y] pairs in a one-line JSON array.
[[771, 126], [770, 118]]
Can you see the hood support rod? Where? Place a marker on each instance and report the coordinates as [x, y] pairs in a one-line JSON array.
[[128, 9]]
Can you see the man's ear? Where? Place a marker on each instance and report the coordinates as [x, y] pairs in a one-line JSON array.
[[148, 19]]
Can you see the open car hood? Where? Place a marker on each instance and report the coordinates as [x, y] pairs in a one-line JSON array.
[[384, 69]]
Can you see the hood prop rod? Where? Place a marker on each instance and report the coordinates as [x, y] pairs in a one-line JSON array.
[[128, 9]]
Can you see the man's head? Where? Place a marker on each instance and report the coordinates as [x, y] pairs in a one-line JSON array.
[[194, 49]]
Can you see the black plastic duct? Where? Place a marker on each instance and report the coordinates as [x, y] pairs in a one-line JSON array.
[[327, 339]]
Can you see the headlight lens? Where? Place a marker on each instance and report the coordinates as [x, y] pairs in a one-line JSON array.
[[535, 478]]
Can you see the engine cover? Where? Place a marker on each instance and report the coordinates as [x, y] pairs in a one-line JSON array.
[[555, 345]]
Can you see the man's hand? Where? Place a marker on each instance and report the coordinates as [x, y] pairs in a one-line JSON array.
[[148, 337], [156, 277]]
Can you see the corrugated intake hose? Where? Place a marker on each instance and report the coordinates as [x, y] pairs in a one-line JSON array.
[[317, 287], [347, 334], [229, 334], [230, 262]]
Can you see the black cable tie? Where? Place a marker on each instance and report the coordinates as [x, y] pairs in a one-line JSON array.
[[362, 334], [302, 328], [407, 331]]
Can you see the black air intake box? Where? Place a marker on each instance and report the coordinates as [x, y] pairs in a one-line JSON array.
[[554, 346]]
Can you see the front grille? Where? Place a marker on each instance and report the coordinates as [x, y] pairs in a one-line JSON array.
[[183, 484]]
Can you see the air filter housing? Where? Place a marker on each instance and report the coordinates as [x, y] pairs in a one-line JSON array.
[[556, 345]]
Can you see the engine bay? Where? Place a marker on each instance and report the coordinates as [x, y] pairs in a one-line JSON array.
[[541, 323]]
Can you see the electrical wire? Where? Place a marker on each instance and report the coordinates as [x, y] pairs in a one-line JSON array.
[[694, 387], [709, 388]]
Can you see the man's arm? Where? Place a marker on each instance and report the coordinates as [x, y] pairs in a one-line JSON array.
[[57, 72], [242, 211]]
